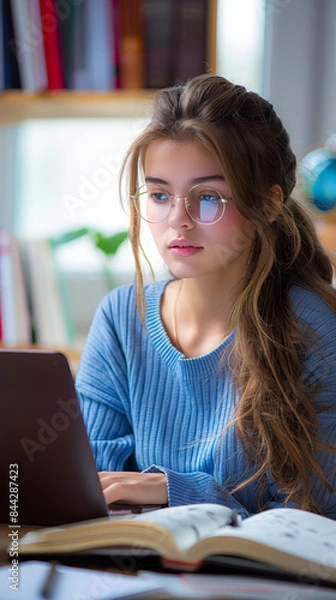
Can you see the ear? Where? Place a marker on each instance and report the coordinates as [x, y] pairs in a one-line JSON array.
[[274, 204]]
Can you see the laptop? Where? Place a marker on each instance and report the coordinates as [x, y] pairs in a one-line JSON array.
[[48, 474]]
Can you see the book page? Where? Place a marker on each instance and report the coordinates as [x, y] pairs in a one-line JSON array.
[[296, 532], [188, 524]]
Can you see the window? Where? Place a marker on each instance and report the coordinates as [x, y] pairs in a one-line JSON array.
[[69, 179]]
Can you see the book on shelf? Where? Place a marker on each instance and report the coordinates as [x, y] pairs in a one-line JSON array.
[[65, 22], [100, 45], [176, 40], [51, 314], [190, 38], [10, 64], [2, 55], [159, 40], [49, 27], [77, 58], [290, 540], [28, 45], [131, 44], [14, 309], [116, 41], [89, 53]]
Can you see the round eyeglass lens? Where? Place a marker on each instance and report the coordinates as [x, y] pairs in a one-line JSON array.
[[153, 203], [204, 204]]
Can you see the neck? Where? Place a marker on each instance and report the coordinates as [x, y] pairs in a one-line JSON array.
[[207, 300], [200, 316]]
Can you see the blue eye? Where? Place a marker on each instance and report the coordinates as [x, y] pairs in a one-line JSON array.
[[159, 197]]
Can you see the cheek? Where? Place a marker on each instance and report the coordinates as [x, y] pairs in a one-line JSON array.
[[158, 230], [233, 236]]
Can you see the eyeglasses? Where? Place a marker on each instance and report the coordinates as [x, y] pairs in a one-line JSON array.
[[204, 204]]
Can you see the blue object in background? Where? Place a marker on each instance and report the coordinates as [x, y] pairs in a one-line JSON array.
[[318, 170]]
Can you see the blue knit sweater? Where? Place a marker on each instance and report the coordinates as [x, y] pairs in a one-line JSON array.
[[149, 408]]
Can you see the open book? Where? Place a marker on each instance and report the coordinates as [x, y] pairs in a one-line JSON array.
[[299, 542]]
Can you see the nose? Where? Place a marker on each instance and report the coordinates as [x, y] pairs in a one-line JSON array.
[[178, 216]]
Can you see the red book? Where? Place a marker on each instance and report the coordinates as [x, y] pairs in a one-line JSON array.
[[52, 47]]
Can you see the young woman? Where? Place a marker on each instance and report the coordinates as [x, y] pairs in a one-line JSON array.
[[218, 385]]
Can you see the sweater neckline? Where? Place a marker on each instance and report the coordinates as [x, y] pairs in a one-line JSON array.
[[161, 340]]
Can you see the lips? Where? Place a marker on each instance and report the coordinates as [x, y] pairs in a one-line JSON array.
[[182, 244], [183, 248]]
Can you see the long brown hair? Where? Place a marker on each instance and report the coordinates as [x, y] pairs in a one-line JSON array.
[[276, 418]]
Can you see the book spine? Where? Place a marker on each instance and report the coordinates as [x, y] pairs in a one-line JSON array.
[[158, 40], [79, 78], [131, 44], [65, 19], [52, 47], [22, 44], [190, 57], [16, 322], [100, 45], [48, 315], [116, 38], [11, 66], [2, 57], [6, 292], [36, 39]]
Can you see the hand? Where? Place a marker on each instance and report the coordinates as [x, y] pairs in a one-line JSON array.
[[134, 488]]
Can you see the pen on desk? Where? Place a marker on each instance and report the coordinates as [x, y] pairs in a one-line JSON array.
[[49, 583]]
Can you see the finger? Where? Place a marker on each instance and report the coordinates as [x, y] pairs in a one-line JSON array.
[[108, 476], [116, 492]]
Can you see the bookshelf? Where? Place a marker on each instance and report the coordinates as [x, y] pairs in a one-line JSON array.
[[17, 106]]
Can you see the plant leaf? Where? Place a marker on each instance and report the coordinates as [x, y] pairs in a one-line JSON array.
[[68, 236], [109, 244]]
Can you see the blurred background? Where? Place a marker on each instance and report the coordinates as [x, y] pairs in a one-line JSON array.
[[78, 87]]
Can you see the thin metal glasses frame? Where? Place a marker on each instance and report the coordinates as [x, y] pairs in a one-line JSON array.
[[172, 197]]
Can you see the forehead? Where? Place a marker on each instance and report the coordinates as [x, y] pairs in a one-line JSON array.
[[173, 155]]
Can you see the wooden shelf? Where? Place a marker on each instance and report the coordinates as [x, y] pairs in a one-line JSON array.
[[18, 106]]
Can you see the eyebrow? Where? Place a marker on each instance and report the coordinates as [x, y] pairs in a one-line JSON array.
[[194, 181]]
